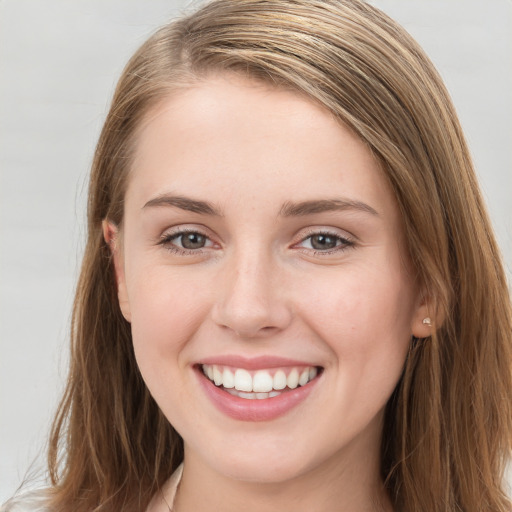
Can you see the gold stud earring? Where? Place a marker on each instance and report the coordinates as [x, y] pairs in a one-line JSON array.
[[427, 321]]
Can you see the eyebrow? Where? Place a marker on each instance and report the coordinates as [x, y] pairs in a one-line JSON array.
[[184, 203], [290, 209]]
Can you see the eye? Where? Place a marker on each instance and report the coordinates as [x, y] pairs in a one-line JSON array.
[[191, 240], [186, 241], [325, 242]]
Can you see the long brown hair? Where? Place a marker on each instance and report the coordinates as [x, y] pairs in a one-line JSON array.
[[448, 425]]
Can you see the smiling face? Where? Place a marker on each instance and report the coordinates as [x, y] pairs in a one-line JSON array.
[[262, 249]]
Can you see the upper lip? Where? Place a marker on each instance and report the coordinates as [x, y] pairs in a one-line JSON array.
[[253, 363]]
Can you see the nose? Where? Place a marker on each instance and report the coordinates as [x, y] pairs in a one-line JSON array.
[[251, 299]]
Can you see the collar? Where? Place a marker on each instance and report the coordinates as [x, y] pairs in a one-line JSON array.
[[171, 486]]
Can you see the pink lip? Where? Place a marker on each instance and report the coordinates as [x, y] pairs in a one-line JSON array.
[[254, 410], [253, 363]]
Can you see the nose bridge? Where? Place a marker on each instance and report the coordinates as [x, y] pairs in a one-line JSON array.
[[251, 300]]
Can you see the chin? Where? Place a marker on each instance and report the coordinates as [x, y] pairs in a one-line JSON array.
[[263, 463], [261, 470]]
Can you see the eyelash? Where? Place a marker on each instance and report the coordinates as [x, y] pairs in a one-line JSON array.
[[168, 239]]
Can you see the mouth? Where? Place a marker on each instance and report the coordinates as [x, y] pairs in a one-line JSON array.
[[261, 384], [260, 394]]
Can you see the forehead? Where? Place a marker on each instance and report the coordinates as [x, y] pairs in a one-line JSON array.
[[230, 137]]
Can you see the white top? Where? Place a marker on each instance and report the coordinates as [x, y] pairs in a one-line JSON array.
[[35, 501]]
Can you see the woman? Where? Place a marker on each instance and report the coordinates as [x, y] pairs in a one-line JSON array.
[[290, 283]]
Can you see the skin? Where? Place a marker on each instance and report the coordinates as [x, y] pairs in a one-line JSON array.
[[259, 287]]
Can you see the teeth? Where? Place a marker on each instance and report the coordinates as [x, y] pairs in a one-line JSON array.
[[293, 379], [243, 380], [228, 379], [262, 384], [253, 396], [248, 396], [262, 381], [304, 377], [217, 376], [279, 381]]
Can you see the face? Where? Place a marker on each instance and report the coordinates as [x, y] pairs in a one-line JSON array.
[[262, 250]]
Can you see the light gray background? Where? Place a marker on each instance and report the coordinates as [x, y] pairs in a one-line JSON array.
[[59, 61]]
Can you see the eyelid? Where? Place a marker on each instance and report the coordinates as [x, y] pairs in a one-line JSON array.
[[186, 228], [324, 230]]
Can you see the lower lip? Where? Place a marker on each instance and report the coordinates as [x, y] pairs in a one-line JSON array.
[[244, 409]]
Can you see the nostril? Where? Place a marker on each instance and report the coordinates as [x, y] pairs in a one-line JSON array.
[[256, 332]]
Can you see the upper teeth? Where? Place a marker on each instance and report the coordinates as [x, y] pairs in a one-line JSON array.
[[261, 381]]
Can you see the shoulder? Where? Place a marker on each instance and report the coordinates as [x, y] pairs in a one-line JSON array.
[[33, 501]]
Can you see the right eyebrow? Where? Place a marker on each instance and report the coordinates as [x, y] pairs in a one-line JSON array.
[[184, 203]]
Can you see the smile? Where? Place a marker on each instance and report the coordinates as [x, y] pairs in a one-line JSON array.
[[260, 384], [250, 390]]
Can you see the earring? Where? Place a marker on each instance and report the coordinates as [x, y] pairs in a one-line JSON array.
[[427, 321]]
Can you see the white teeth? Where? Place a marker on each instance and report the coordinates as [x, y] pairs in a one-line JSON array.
[[228, 379], [253, 396], [261, 385], [293, 379], [243, 380], [262, 381], [304, 377], [279, 381], [217, 376], [248, 396]]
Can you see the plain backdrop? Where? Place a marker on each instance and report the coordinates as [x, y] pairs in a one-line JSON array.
[[59, 61]]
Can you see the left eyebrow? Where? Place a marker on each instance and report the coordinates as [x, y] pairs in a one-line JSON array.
[[290, 209]]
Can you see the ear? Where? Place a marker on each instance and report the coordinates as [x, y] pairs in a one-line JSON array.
[[425, 320], [111, 236]]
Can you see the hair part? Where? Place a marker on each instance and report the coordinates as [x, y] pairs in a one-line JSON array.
[[448, 425]]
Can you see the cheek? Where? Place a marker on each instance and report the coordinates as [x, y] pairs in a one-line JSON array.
[[166, 312], [364, 317]]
